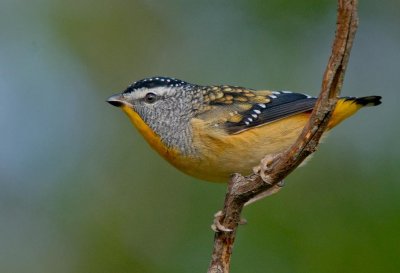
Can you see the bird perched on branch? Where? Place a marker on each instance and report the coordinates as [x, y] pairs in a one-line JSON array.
[[210, 132]]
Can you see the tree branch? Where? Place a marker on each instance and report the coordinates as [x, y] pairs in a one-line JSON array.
[[274, 169]]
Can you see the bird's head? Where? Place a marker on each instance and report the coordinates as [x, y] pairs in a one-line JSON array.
[[165, 105]]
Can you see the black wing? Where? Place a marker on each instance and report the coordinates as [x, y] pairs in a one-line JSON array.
[[281, 105], [236, 109]]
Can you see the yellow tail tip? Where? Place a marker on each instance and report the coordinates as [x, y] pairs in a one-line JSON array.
[[347, 106]]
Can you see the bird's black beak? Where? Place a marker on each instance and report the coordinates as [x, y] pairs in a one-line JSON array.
[[116, 100]]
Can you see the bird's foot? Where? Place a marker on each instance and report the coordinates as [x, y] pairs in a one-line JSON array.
[[266, 166], [218, 227]]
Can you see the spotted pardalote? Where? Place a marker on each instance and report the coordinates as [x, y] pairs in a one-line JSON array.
[[210, 132]]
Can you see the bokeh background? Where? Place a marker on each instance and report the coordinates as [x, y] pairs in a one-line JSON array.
[[80, 190]]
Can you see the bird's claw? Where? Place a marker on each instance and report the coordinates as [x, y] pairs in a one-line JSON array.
[[218, 227], [266, 167]]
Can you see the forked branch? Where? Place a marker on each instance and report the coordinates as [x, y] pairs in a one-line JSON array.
[[272, 170]]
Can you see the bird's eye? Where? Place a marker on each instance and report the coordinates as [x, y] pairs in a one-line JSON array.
[[150, 98]]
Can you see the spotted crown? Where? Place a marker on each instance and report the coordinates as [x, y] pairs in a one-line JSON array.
[[155, 82]]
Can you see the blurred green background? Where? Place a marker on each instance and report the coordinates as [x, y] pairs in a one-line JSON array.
[[80, 190]]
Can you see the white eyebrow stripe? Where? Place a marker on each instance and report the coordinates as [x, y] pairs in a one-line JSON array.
[[159, 91]]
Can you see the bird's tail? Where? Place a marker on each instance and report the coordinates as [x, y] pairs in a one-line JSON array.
[[347, 106]]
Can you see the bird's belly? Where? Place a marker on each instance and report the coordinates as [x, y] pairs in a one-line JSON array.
[[220, 154]]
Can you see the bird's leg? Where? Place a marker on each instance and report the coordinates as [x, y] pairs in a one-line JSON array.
[[266, 166], [263, 170], [218, 227]]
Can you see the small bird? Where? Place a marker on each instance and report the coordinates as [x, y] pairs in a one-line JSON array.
[[210, 132]]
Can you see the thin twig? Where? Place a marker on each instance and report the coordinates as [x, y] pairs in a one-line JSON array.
[[272, 170]]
